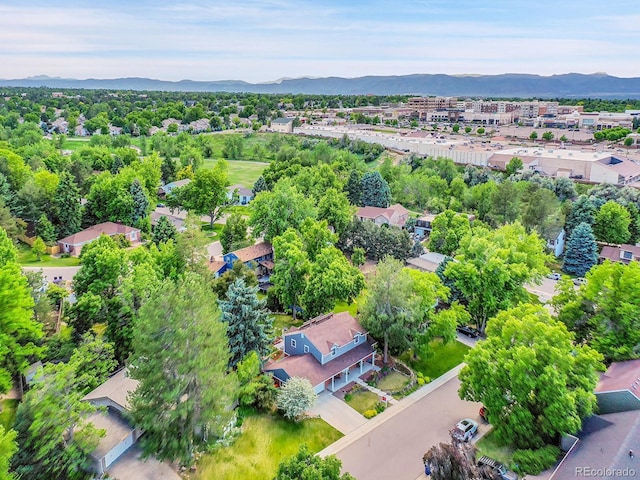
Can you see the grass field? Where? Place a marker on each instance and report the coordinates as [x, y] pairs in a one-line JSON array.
[[488, 446], [240, 171], [363, 400], [265, 441], [28, 259], [436, 358], [393, 382], [282, 320], [8, 413], [353, 307]]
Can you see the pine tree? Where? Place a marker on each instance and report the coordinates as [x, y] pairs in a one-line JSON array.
[[582, 210], [582, 251], [164, 231], [140, 202], [375, 191], [249, 324], [353, 188], [117, 165], [260, 186], [46, 231], [66, 207]]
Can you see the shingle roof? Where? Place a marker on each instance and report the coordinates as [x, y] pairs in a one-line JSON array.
[[116, 389], [91, 233], [282, 120], [331, 329], [242, 190], [621, 376], [254, 251]]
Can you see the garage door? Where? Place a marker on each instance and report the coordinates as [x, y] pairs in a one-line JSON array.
[[118, 450]]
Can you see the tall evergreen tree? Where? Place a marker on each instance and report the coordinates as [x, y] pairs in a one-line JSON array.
[[46, 231], [249, 324], [375, 191], [353, 188], [140, 202], [180, 356], [259, 186], [582, 210], [164, 231], [67, 210], [582, 251]]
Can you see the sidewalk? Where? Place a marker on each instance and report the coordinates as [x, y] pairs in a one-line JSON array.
[[389, 413]]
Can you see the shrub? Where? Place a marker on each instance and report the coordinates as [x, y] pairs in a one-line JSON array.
[[380, 407], [348, 397], [421, 381], [535, 461], [370, 414]]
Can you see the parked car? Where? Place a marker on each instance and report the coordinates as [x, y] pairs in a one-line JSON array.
[[464, 430], [161, 205], [468, 331], [554, 276], [579, 281], [500, 468]]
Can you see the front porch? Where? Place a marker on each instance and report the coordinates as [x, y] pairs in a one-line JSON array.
[[351, 373]]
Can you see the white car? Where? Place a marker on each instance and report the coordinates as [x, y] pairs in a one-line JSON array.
[[554, 276], [465, 430]]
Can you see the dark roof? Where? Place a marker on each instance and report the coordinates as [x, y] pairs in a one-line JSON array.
[[91, 233], [621, 376], [215, 266], [307, 366], [242, 190], [331, 329], [254, 251]]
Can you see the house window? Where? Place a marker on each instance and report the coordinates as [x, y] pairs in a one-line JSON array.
[[356, 339], [334, 349], [293, 343], [627, 255], [306, 349]]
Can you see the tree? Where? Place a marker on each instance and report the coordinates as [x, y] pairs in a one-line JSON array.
[[38, 248], [353, 187], [233, 146], [612, 223], [67, 213], [93, 361], [564, 138], [8, 447], [536, 383], [54, 431], [534, 135], [467, 129], [334, 207], [505, 204], [235, 233], [290, 270], [605, 312], [46, 231], [628, 141], [391, 311], [239, 270], [542, 211], [255, 389], [480, 131], [273, 212], [514, 166], [357, 257], [295, 397], [448, 228], [455, 128], [140, 202], [259, 186], [582, 211], [183, 399], [375, 190], [491, 268], [191, 246], [19, 333], [582, 251], [450, 461], [547, 136], [206, 194], [164, 231], [306, 465], [249, 326]]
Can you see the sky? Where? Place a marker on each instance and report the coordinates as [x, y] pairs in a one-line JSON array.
[[265, 40]]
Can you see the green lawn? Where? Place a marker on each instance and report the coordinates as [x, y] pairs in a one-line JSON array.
[[282, 320], [240, 171], [75, 143], [266, 440], [243, 210], [436, 358], [8, 413], [393, 382], [488, 446], [363, 400], [353, 308], [26, 258], [217, 229]]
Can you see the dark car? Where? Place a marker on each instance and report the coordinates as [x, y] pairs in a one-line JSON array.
[[468, 331]]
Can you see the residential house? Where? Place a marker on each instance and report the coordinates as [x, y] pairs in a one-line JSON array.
[[258, 257], [423, 225], [165, 190], [73, 244], [113, 395], [395, 215], [282, 125], [427, 262], [244, 195], [216, 267], [619, 387], [330, 351], [620, 253], [556, 244], [175, 221]]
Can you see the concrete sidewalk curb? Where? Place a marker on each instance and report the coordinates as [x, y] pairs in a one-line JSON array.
[[389, 413]]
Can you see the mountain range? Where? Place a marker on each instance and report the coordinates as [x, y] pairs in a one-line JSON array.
[[570, 85]]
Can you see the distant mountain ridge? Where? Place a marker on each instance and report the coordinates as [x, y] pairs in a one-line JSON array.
[[597, 85]]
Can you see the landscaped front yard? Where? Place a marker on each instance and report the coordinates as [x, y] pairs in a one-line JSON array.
[[265, 441], [28, 259], [362, 400], [435, 358], [393, 382]]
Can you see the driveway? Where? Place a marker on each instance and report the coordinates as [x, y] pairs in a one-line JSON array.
[[337, 413], [131, 467], [544, 291], [50, 273], [398, 438]]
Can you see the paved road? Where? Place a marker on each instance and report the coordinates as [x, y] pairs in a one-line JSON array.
[[545, 291], [51, 273], [394, 449]]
